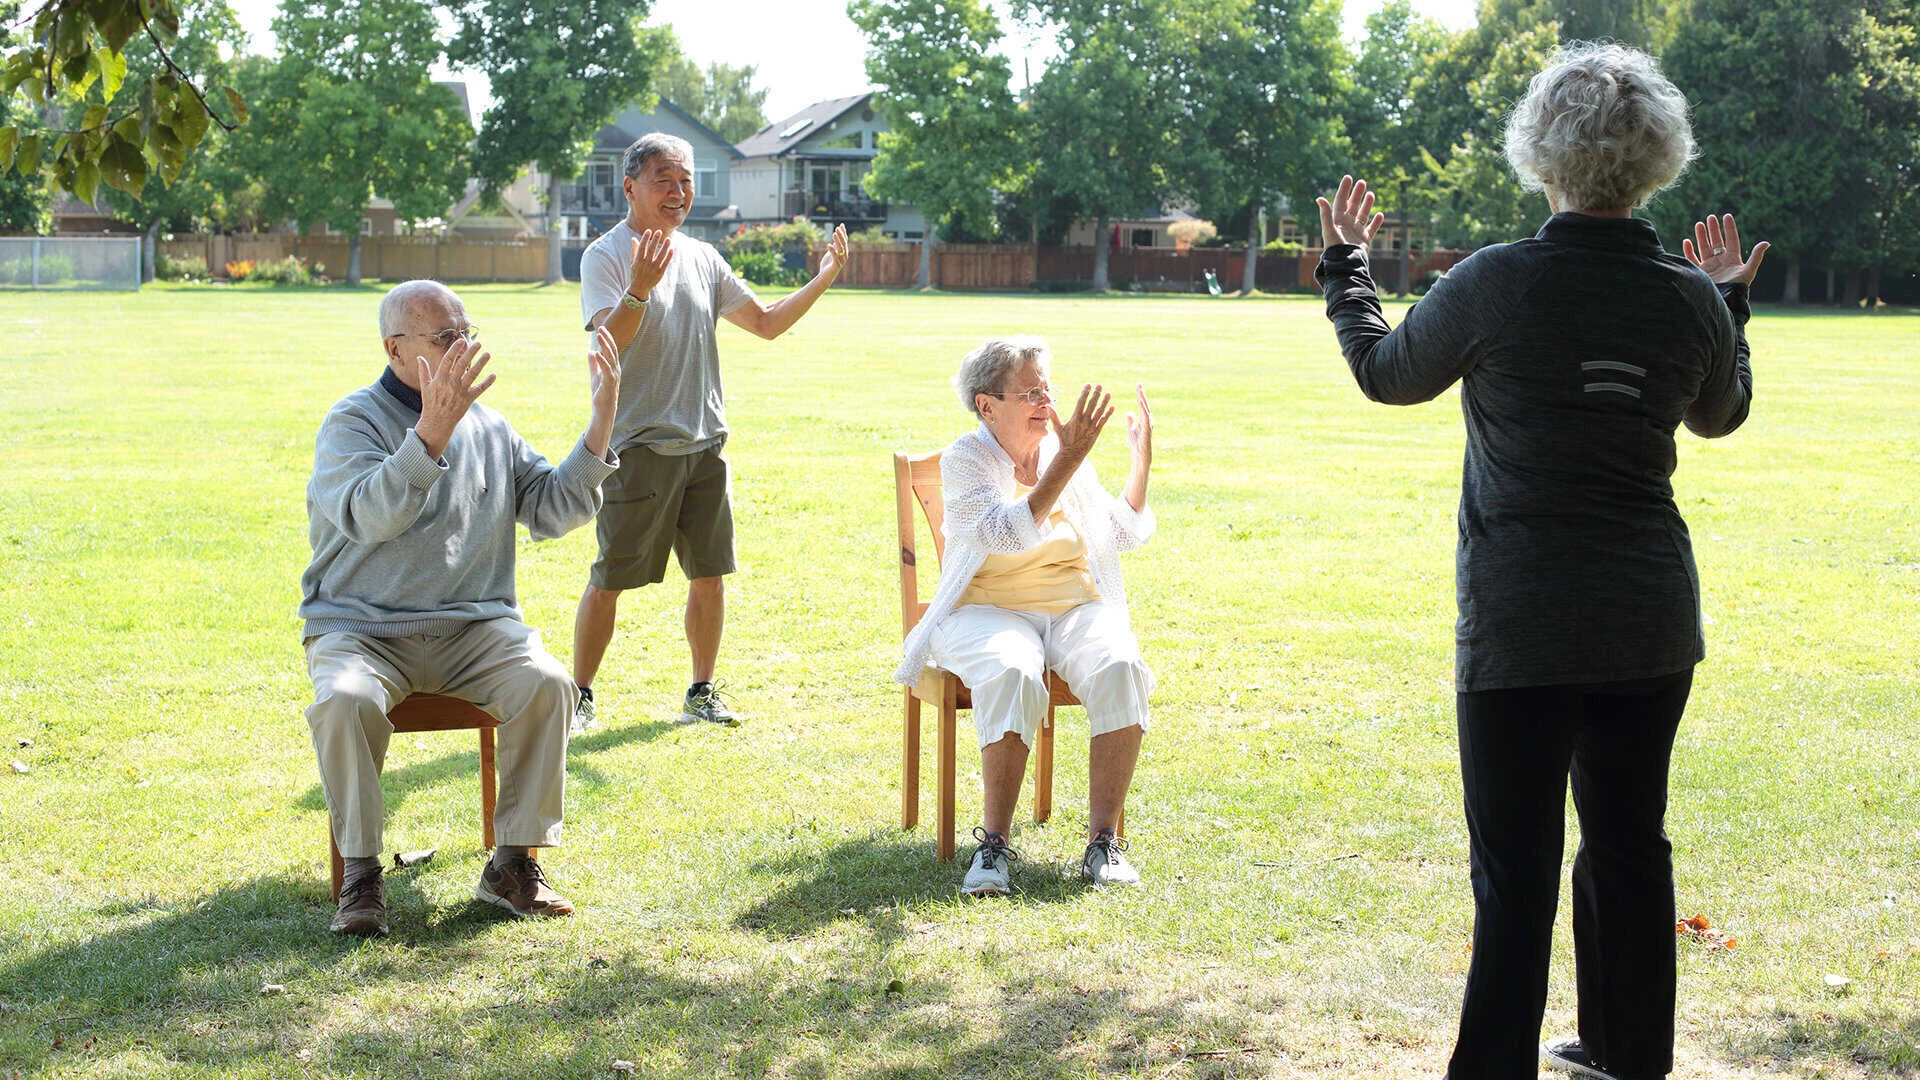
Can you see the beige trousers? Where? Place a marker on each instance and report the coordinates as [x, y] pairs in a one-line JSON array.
[[499, 665]]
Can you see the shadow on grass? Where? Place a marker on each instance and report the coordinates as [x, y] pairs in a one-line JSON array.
[[1882, 1041], [879, 875], [166, 986], [465, 765]]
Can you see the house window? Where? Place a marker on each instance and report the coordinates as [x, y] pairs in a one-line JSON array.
[[366, 226], [706, 182], [1142, 238]]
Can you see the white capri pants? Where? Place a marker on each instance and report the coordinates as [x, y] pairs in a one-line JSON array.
[[1003, 656]]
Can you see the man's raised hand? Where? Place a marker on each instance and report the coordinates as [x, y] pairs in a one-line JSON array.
[[652, 251], [603, 381], [448, 390]]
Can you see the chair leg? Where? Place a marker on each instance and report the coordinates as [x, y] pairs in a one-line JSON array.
[[1120, 825], [1043, 772], [336, 865], [949, 708], [910, 764], [489, 785]]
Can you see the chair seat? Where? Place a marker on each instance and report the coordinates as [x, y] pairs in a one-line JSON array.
[[930, 689], [435, 712]]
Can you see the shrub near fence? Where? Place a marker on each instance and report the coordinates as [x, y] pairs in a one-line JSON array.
[[389, 258]]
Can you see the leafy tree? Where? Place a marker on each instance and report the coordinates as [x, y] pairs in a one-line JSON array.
[[349, 112], [561, 69], [1383, 121], [722, 97], [67, 72], [1108, 113], [954, 137], [1266, 101], [1782, 122], [209, 33], [1474, 196]]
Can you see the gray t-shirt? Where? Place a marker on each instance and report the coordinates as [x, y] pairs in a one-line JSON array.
[[670, 398]]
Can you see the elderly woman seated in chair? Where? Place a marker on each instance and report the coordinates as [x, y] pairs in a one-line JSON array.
[[1030, 582]]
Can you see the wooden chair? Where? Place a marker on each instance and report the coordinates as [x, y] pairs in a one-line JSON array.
[[917, 479], [432, 712]]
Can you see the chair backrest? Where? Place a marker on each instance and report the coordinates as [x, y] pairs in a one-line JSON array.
[[916, 479]]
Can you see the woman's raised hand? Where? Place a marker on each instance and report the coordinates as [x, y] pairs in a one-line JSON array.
[[1080, 431], [1140, 429], [1715, 249], [1349, 218]]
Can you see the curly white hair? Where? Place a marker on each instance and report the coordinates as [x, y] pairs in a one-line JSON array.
[[1601, 127], [985, 369]]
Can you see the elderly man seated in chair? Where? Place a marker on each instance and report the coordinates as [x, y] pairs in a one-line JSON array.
[[1030, 581], [411, 512]]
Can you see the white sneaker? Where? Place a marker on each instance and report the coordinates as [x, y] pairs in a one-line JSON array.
[[583, 721], [988, 874], [1105, 862]]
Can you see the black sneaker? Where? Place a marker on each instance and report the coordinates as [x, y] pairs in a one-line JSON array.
[[703, 704], [1569, 1056]]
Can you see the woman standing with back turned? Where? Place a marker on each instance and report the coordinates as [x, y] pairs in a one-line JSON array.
[[1578, 352]]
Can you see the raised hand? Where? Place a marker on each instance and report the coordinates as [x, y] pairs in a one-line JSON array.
[[835, 257], [1715, 249], [1349, 218], [1140, 430], [448, 390], [652, 251], [1080, 431], [603, 383]]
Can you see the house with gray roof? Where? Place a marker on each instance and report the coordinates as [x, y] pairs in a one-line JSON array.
[[813, 164]]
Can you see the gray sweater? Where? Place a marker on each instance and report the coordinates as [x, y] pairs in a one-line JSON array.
[[1578, 353], [404, 544]]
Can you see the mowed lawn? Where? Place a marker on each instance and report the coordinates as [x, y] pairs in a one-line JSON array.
[[749, 905]]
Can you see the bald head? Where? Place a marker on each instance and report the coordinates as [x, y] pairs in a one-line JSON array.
[[410, 302]]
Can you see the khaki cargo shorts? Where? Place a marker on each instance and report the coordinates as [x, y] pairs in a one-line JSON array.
[[658, 503]]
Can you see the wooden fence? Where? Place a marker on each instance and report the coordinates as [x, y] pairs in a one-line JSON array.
[[389, 258], [1016, 267]]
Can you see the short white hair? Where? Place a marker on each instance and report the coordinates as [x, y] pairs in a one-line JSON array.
[[1602, 127], [985, 369], [654, 144], [397, 306]]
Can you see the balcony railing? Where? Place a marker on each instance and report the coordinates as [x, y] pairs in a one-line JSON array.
[[834, 209], [592, 199]]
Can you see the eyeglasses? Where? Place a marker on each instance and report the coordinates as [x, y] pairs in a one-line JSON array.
[[445, 338], [1033, 395]]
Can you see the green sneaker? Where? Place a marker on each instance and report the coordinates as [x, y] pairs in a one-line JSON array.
[[704, 704]]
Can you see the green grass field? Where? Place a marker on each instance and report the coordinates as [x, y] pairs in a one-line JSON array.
[[749, 905]]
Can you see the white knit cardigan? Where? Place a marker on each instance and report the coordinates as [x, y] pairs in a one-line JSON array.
[[984, 518]]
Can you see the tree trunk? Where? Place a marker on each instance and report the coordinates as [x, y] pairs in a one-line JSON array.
[[1247, 272], [1850, 286], [353, 256], [1790, 293], [1832, 298], [1101, 244], [148, 251], [925, 280], [1873, 286], [1033, 233], [1406, 255], [554, 237]]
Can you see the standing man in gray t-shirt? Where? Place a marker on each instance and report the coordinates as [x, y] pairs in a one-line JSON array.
[[661, 295]]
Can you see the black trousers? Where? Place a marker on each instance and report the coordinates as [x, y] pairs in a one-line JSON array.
[[1517, 750]]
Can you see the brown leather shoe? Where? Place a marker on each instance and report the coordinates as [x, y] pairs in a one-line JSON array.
[[363, 907], [521, 887]]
